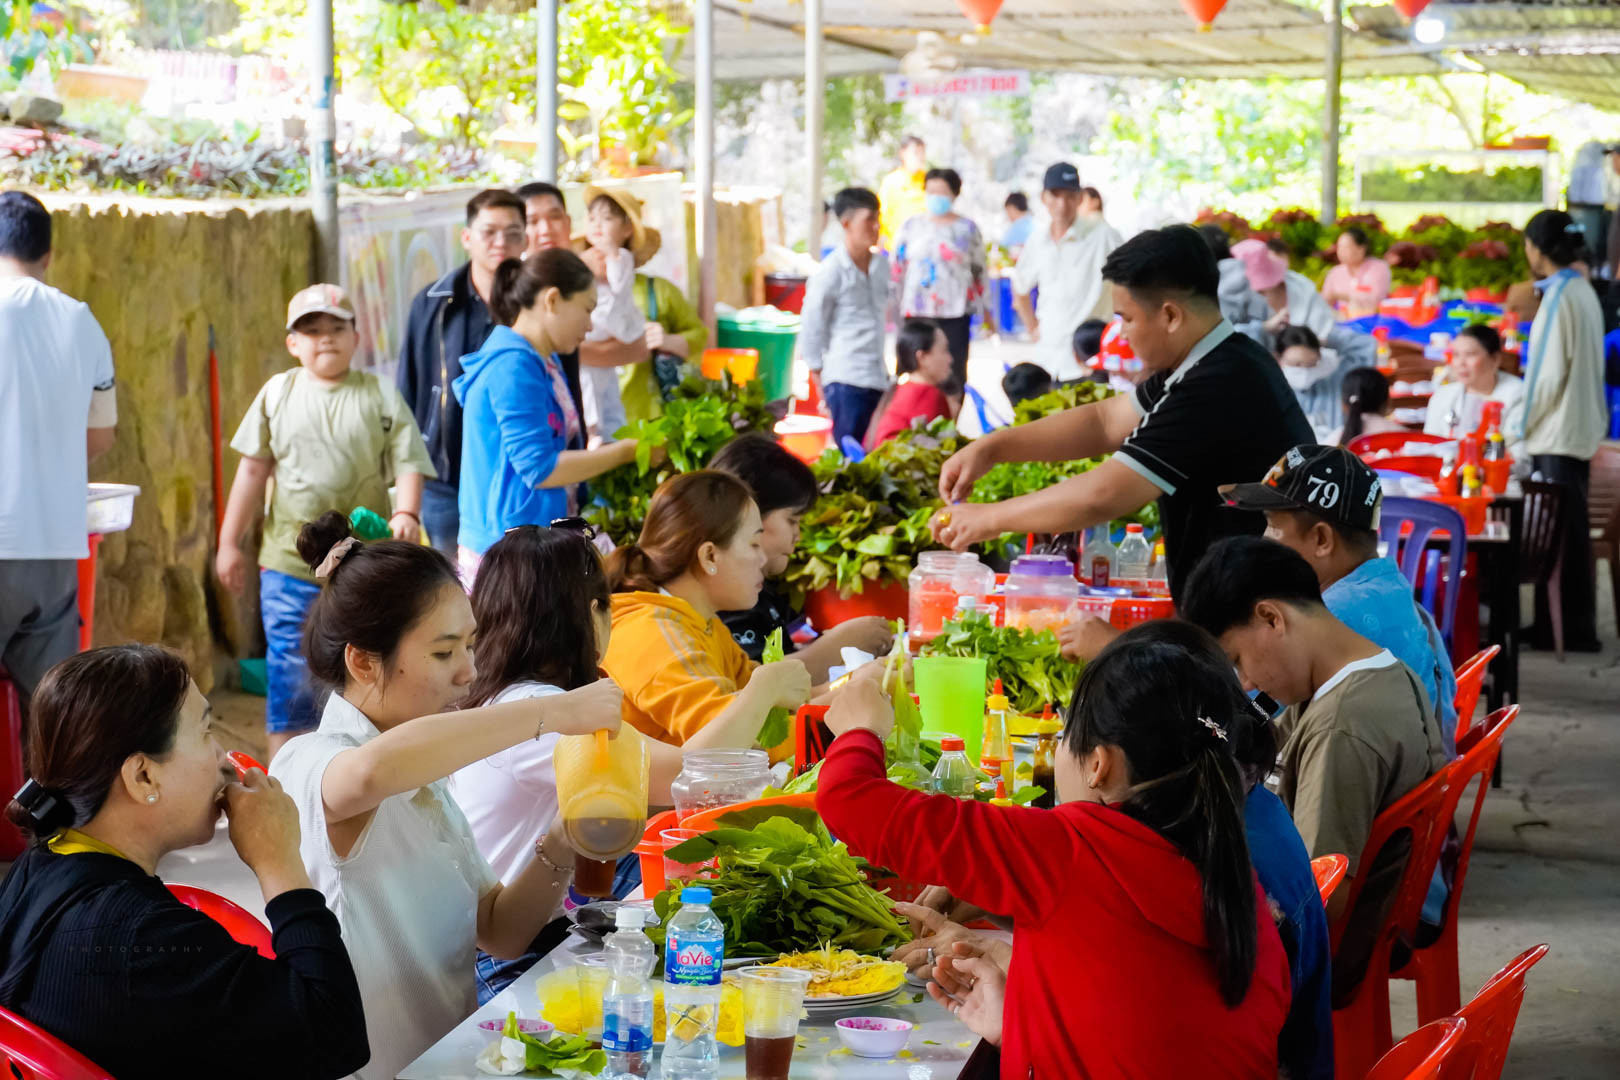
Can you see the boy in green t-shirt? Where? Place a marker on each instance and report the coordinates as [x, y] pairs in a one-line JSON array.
[[333, 439]]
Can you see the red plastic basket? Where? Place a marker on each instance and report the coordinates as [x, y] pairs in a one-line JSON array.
[[827, 608], [1124, 612]]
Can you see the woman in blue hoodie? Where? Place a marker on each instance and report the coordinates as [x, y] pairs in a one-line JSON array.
[[522, 441]]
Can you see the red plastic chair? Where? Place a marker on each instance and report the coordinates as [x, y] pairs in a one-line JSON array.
[[1425, 1054], [1427, 466], [1434, 967], [1470, 681], [1491, 1017], [237, 920], [1329, 871], [31, 1053], [1361, 1026], [1363, 445]]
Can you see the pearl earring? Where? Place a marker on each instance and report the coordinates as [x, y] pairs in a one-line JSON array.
[[713, 569], [151, 798]]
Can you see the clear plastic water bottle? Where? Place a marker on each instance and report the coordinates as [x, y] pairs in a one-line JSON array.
[[694, 954], [627, 1007], [1131, 565], [955, 774]]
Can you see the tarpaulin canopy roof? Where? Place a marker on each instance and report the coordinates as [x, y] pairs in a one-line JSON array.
[[1568, 47]]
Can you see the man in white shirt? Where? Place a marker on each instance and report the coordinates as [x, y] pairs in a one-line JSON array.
[[1063, 260], [57, 411]]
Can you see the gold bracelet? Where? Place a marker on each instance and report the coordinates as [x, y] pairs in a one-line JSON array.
[[540, 853], [540, 724]]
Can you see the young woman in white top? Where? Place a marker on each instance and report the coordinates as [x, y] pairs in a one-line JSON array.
[[510, 797], [1456, 408], [392, 634]]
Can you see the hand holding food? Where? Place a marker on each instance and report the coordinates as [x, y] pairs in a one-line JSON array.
[[862, 704]]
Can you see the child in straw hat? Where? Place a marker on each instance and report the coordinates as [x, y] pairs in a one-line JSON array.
[[614, 227]]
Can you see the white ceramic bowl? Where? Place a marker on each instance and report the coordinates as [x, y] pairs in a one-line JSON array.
[[874, 1036]]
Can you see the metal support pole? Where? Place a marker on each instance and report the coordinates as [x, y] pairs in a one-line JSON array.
[[545, 108], [815, 111], [323, 185], [1330, 112], [703, 155]]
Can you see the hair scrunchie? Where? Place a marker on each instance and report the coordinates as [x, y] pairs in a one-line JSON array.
[[339, 552]]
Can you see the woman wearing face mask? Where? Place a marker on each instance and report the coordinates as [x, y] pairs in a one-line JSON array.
[[700, 553], [1457, 408], [940, 267], [1140, 876], [510, 797], [1316, 375], [391, 636], [522, 443], [784, 490], [123, 769]]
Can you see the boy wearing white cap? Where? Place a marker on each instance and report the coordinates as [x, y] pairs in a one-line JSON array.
[[334, 439]]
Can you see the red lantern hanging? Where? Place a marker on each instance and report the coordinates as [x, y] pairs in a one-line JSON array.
[[980, 12], [1409, 8], [1203, 10]]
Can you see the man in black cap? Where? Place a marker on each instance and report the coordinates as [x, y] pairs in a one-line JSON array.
[[1324, 502], [1214, 410], [1064, 260]]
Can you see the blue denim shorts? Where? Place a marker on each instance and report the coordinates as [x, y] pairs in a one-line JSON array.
[[284, 603]]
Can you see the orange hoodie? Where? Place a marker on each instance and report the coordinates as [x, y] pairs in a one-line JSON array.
[[677, 671]]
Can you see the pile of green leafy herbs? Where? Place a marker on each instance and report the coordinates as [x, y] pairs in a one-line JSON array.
[[701, 416], [1060, 399], [559, 1054], [783, 884], [1029, 663]]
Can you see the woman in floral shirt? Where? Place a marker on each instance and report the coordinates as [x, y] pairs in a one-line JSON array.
[[939, 267]]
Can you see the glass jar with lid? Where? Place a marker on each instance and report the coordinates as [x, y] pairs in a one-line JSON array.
[[711, 778], [1039, 591], [939, 579]]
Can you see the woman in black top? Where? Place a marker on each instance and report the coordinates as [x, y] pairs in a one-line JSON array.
[[94, 949], [785, 490]]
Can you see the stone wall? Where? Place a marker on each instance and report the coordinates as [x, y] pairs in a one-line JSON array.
[[158, 274]]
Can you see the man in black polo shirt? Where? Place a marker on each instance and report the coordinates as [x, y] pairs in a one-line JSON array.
[[1214, 410]]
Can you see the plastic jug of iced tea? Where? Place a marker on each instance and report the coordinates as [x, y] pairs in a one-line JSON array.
[[601, 801]]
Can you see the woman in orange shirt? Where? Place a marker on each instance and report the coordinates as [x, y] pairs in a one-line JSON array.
[[699, 554]]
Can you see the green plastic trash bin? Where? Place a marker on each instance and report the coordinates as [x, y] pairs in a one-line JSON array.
[[772, 337]]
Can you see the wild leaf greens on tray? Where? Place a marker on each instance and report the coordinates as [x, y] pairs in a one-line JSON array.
[[1029, 663], [782, 887]]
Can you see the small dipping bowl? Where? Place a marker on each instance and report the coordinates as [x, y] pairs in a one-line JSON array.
[[874, 1036], [538, 1028]]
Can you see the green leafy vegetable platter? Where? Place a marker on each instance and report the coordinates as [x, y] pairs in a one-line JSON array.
[[1029, 663], [782, 884]]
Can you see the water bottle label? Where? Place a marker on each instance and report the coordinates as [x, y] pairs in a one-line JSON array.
[[694, 962], [626, 1039]]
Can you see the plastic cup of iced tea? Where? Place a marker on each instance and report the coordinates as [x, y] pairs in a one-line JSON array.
[[772, 1000]]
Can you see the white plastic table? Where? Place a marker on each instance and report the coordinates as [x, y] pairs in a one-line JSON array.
[[939, 1043]]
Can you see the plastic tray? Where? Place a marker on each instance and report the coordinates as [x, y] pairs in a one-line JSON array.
[[112, 507]]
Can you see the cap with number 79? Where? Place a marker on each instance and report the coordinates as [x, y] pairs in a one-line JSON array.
[[1328, 481]]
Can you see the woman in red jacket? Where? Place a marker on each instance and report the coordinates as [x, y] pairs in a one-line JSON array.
[[1142, 946]]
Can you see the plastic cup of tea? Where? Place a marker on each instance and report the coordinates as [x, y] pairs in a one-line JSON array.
[[592, 973], [676, 871], [594, 877], [772, 1000]]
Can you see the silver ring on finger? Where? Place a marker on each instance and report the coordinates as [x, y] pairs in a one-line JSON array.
[[931, 960]]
